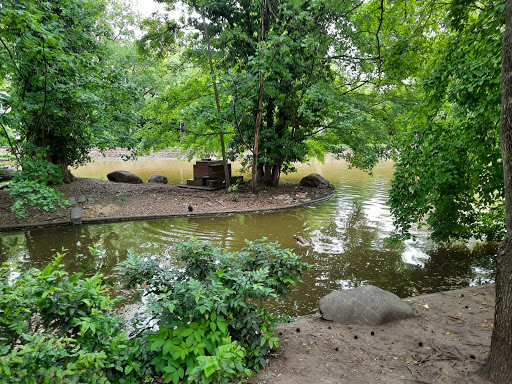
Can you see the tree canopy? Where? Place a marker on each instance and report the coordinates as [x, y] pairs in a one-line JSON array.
[[293, 49], [448, 171], [61, 95]]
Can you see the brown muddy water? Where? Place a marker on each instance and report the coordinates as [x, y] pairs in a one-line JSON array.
[[348, 234]]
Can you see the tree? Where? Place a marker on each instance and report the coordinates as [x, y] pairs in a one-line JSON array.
[[61, 95], [499, 365], [304, 94], [450, 169], [448, 172]]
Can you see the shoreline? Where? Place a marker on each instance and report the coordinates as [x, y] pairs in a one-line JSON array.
[[107, 202], [447, 342]]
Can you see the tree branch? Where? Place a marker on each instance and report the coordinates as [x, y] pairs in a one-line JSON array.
[[10, 55], [13, 148], [43, 108]]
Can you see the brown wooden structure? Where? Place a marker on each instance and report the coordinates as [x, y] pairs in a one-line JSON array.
[[209, 174]]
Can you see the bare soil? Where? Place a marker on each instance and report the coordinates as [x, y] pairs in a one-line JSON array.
[[105, 200], [447, 342]]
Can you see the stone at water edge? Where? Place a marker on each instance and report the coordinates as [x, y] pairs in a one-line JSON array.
[[76, 216], [157, 179], [314, 180], [367, 305], [124, 177], [6, 173]]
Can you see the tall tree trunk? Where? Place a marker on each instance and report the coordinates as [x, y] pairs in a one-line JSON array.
[[267, 175], [67, 176], [214, 81], [260, 173], [499, 365], [259, 113], [276, 174]]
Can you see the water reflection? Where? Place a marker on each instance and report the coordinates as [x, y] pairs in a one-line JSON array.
[[348, 233]]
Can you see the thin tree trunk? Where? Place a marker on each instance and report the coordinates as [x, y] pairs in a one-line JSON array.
[[499, 365], [259, 113], [214, 81], [260, 173]]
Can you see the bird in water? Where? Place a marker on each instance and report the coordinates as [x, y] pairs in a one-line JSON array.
[[302, 241], [190, 208]]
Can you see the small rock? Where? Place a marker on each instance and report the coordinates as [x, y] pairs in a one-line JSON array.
[[157, 179], [76, 215], [124, 177], [314, 180], [6, 173]]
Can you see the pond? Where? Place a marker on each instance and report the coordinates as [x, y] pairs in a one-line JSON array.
[[348, 233]]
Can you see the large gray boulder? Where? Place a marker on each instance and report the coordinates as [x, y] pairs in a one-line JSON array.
[[6, 172], [157, 179], [124, 177], [314, 180], [367, 305]]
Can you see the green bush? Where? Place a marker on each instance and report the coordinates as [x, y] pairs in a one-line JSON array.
[[56, 328], [30, 187], [201, 322], [210, 299]]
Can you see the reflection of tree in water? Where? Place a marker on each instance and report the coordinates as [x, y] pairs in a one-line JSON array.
[[38, 247], [12, 249], [42, 245], [364, 256], [454, 267]]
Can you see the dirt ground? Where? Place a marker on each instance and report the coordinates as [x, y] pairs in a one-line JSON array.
[[105, 200], [447, 342]]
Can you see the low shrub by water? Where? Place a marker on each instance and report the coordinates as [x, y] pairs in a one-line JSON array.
[[203, 320]]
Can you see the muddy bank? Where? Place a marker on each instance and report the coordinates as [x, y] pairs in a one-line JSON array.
[[103, 201], [447, 342]]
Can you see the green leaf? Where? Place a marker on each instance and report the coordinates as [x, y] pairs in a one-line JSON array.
[[222, 326], [47, 271], [186, 332], [209, 370], [158, 343], [167, 346]]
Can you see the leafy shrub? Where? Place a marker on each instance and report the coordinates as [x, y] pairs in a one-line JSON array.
[[56, 328], [30, 187], [233, 189], [194, 311], [202, 322]]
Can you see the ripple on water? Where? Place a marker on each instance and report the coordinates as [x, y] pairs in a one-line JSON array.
[[348, 232]]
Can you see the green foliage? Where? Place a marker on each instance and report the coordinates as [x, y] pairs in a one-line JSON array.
[[226, 362], [56, 328], [180, 348], [449, 174], [211, 306], [306, 110], [29, 187], [233, 189], [197, 325], [62, 94]]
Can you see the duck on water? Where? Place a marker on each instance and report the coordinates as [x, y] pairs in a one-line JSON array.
[[302, 241]]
